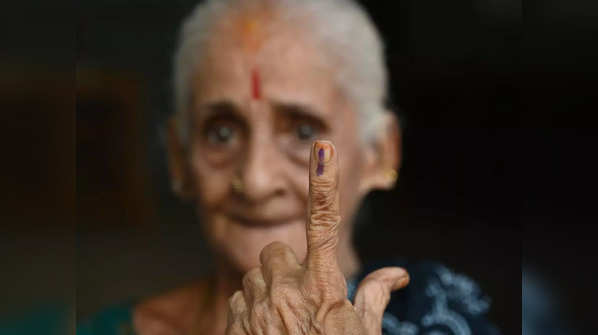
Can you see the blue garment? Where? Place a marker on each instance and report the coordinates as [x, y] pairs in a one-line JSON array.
[[49, 318], [116, 320], [541, 308], [436, 302]]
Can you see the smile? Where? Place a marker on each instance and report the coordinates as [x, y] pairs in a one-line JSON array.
[[262, 222]]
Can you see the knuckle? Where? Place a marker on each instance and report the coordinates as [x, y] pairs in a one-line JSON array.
[[251, 277], [258, 316], [331, 293], [235, 328], [324, 220], [323, 231], [323, 185], [273, 249], [278, 255], [323, 197], [234, 300], [247, 328], [284, 293], [277, 298]]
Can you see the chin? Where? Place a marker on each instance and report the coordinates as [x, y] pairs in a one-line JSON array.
[[243, 244]]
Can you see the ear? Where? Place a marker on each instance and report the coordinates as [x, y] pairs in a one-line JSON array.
[[383, 157], [178, 164]]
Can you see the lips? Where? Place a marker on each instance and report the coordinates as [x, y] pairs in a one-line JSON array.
[[258, 221]]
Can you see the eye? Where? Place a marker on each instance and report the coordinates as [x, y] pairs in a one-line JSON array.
[[220, 134], [305, 131]]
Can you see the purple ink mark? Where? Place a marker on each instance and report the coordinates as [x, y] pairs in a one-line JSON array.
[[320, 169]]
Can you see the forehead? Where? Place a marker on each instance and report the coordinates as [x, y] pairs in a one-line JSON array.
[[290, 65]]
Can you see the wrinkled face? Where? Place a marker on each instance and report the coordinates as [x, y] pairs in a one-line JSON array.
[[254, 116]]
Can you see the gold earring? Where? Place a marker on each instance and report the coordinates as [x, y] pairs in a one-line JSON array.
[[177, 187], [237, 185], [392, 175]]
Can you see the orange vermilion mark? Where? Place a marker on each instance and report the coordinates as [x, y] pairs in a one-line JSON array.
[[251, 33], [255, 85]]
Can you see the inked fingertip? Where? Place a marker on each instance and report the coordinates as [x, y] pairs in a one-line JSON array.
[[323, 151]]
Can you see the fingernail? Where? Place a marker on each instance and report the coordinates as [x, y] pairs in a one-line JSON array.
[[323, 151], [404, 280]]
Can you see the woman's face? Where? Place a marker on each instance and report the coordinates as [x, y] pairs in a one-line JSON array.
[[254, 117]]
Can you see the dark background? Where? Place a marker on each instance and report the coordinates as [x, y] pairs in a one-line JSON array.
[[490, 97]]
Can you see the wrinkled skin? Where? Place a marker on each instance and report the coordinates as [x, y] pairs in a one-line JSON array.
[[279, 242], [263, 146], [283, 296]]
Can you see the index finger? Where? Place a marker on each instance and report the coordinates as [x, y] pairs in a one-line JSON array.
[[323, 208]]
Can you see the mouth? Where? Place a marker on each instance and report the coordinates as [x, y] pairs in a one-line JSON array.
[[262, 221]]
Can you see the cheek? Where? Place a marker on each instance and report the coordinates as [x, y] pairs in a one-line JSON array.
[[349, 192], [211, 186], [299, 176], [351, 165]]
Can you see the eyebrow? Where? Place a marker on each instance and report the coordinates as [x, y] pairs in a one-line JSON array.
[[215, 110], [227, 108], [294, 109], [223, 107], [302, 111]]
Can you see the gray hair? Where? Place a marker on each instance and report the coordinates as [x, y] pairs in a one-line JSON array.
[[341, 27]]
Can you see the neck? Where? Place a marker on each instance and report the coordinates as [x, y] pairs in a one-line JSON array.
[[218, 289]]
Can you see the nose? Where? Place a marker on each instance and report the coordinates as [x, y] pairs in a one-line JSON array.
[[262, 170]]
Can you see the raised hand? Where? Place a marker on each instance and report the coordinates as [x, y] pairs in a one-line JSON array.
[[284, 296]]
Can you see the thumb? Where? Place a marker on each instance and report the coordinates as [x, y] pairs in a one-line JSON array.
[[373, 294]]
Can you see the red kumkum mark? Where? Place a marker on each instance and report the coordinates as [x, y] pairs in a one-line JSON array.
[[255, 85]]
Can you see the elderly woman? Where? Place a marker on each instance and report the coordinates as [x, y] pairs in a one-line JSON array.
[[263, 90]]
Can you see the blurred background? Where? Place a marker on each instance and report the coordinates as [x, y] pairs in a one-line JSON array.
[[486, 91]]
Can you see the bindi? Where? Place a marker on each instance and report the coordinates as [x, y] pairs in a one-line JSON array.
[[256, 92]]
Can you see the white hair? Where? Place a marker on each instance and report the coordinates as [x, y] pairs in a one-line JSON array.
[[341, 28]]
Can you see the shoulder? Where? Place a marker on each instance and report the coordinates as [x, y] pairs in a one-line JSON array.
[[437, 301], [173, 310], [164, 313]]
